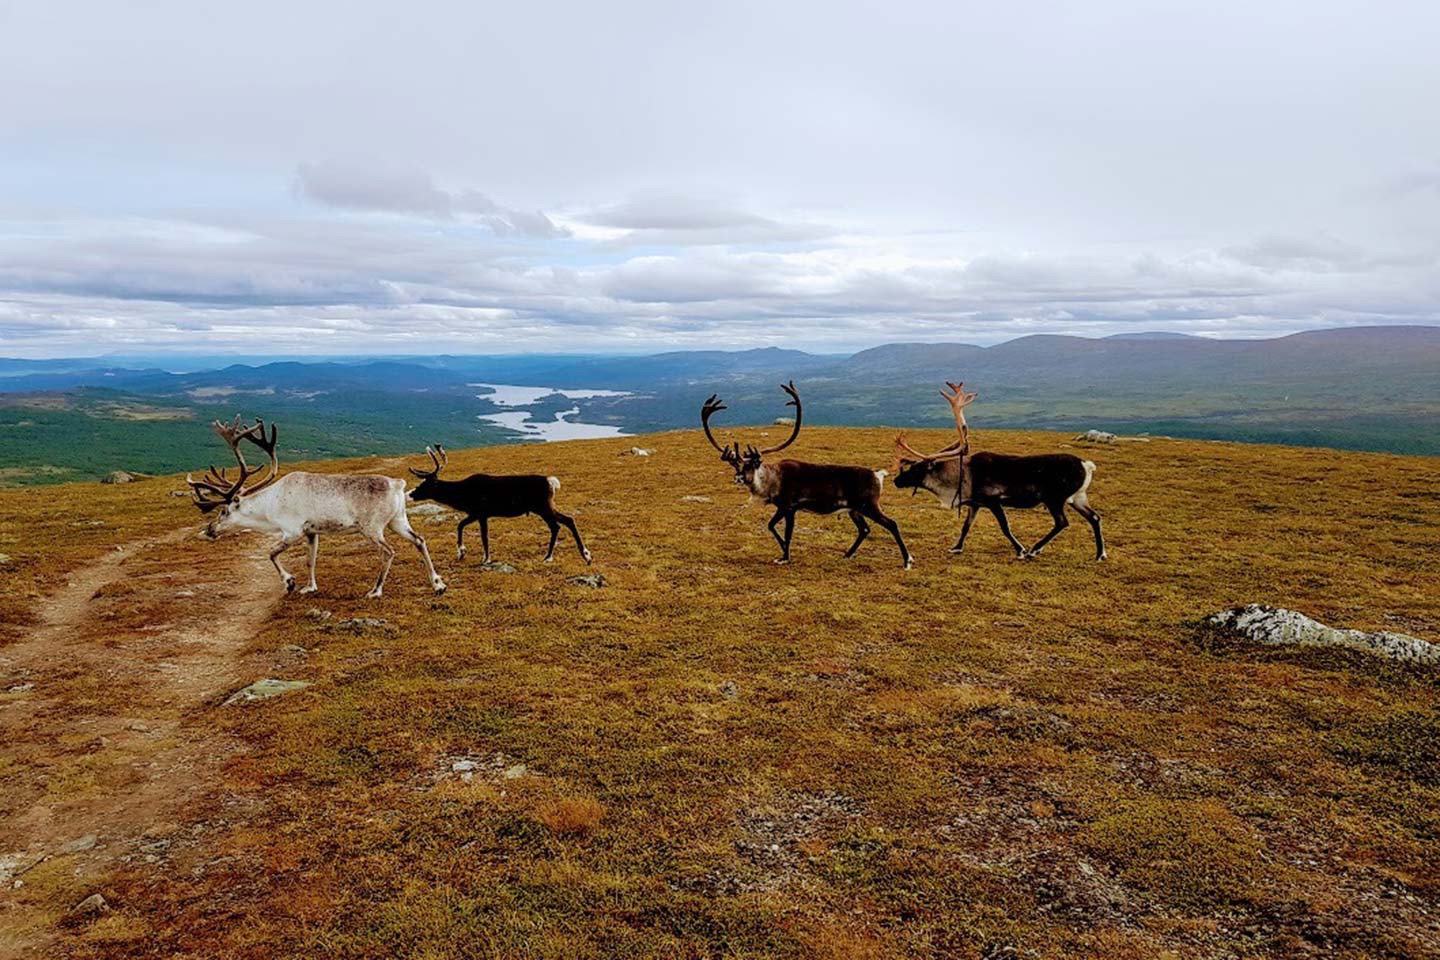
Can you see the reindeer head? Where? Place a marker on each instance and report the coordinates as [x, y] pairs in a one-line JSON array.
[[216, 493], [426, 488], [918, 471], [746, 463]]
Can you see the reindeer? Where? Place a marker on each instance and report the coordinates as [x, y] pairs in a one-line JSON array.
[[481, 496], [303, 505], [998, 480], [793, 485]]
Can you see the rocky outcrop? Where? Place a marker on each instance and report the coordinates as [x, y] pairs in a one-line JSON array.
[[1278, 627]]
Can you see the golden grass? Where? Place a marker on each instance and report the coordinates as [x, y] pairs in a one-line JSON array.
[[722, 757]]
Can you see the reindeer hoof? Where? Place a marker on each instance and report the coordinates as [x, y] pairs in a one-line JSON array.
[[439, 586], [957, 550], [586, 555], [373, 594], [782, 561], [289, 584], [1103, 556], [909, 564], [308, 589], [460, 554], [548, 560]]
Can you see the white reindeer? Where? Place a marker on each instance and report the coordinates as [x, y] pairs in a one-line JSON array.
[[304, 505]]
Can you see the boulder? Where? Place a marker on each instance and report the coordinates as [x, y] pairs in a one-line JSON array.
[[1278, 627], [636, 452], [123, 476], [1096, 436]]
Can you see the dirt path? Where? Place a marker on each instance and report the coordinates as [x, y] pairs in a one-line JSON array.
[[103, 750]]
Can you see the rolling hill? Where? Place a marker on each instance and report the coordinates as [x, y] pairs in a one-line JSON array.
[[710, 755]]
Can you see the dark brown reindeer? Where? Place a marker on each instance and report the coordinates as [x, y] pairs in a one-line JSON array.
[[481, 496], [793, 485], [995, 481]]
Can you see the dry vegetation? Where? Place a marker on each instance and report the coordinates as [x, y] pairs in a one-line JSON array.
[[714, 756]]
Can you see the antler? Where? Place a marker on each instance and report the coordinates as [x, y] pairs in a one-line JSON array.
[[949, 453], [710, 408], [439, 462], [959, 400], [217, 483], [794, 401]]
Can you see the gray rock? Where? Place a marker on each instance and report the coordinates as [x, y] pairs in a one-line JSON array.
[[293, 650], [318, 615], [729, 689], [463, 766], [1096, 436], [14, 864], [636, 452], [1278, 627], [21, 688], [516, 772], [784, 421], [90, 905], [179, 493], [694, 498], [120, 476], [592, 580], [4, 559], [265, 690], [86, 842], [497, 566]]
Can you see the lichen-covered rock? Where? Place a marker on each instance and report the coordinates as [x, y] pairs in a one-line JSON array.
[[592, 580], [1096, 436], [497, 566], [121, 476], [1278, 627], [264, 690]]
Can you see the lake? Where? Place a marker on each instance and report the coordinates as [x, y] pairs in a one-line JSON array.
[[562, 427]]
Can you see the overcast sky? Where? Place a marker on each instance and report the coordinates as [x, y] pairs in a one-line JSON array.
[[327, 177]]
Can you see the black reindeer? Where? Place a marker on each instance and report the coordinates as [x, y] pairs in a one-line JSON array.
[[481, 496]]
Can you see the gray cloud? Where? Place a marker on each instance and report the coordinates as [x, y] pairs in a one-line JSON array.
[[411, 191]]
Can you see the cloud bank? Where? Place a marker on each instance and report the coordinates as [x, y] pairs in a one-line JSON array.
[[358, 178]]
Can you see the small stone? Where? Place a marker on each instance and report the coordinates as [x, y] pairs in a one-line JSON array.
[[179, 493], [463, 766], [362, 623], [184, 593], [636, 452], [515, 772], [592, 580], [315, 613], [497, 566], [694, 498], [264, 690], [21, 688], [4, 559], [293, 650], [90, 905], [729, 689], [118, 476]]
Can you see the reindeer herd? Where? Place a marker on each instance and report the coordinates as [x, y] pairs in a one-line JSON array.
[[303, 505]]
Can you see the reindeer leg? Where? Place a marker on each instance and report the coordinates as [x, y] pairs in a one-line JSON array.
[[862, 530], [401, 525], [554, 526], [873, 512], [779, 513], [1093, 515], [971, 510], [285, 575], [485, 538], [789, 532], [460, 538], [999, 512], [1057, 510], [569, 523], [387, 557], [314, 539]]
